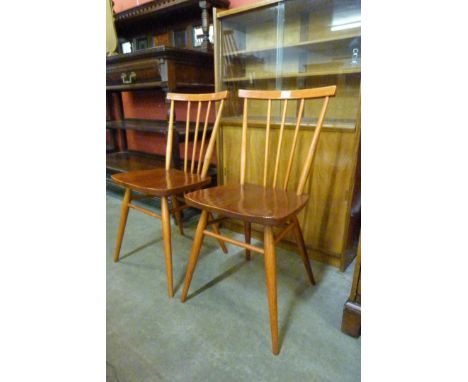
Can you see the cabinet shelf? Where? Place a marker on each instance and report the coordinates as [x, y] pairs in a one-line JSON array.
[[300, 45], [151, 126], [124, 161], [290, 123], [270, 76]]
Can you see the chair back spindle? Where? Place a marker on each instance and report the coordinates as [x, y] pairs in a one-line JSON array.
[[284, 96], [209, 98]]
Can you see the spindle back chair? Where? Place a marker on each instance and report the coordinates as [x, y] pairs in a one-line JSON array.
[[269, 204], [168, 183]]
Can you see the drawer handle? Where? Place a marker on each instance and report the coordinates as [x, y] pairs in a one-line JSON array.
[[131, 77]]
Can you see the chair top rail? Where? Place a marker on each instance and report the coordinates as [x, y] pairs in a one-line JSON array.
[[197, 97], [326, 91]]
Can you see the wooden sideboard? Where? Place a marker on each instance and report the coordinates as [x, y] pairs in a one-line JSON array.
[[275, 45], [165, 58]]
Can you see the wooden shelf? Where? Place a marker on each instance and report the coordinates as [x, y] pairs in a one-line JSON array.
[[303, 44], [130, 160], [146, 125], [153, 126], [318, 73], [290, 123]]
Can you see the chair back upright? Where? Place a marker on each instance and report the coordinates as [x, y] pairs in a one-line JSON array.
[[284, 95], [209, 99]]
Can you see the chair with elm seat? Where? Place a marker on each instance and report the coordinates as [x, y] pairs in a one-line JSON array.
[[270, 206], [167, 182]]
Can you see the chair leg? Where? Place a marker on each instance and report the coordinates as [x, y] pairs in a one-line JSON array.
[[247, 234], [123, 223], [215, 228], [197, 243], [178, 214], [166, 228], [270, 270], [302, 249]]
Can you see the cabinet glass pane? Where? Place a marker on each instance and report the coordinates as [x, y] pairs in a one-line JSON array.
[[295, 44]]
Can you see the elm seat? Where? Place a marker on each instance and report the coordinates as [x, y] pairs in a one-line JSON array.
[[249, 202], [161, 182], [269, 204], [169, 183]]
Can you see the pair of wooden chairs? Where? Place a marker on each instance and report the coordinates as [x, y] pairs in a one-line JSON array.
[[270, 204]]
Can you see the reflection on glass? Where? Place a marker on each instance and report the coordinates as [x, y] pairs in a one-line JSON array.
[[295, 45]]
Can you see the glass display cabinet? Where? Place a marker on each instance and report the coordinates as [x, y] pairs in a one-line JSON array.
[[294, 44], [298, 44]]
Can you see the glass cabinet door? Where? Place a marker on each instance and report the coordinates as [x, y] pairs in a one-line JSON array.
[[294, 44]]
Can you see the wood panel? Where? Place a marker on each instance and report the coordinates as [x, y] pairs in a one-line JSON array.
[[325, 215]]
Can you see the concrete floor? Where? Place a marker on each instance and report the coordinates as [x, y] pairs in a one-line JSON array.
[[222, 332]]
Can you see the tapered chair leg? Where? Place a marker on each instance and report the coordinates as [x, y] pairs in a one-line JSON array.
[[123, 223], [178, 214], [166, 227], [303, 249], [247, 234], [215, 228], [197, 243], [270, 270]]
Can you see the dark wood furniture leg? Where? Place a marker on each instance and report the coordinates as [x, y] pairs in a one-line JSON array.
[[247, 235]]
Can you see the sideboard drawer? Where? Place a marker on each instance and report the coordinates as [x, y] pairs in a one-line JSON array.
[[133, 73]]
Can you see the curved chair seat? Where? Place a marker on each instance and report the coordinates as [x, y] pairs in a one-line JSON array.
[[250, 202], [161, 182]]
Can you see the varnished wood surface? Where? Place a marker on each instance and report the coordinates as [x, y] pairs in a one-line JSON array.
[[166, 228], [249, 202], [266, 205], [198, 97], [270, 271], [159, 182], [326, 91], [124, 161], [166, 182], [324, 218], [159, 67], [123, 221], [156, 10], [197, 243]]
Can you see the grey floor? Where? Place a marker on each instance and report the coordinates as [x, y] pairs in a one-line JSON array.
[[222, 332]]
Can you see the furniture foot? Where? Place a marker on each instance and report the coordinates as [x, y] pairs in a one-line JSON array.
[[351, 323]]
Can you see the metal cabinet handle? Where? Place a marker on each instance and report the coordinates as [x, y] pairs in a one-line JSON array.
[[131, 77]]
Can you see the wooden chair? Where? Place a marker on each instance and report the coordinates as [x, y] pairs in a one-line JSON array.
[[269, 205], [167, 182]]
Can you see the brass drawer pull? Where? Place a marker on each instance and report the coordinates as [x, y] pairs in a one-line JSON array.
[[131, 77]]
